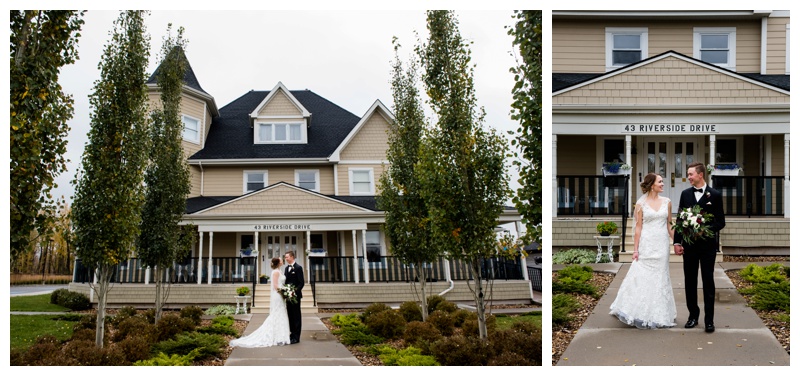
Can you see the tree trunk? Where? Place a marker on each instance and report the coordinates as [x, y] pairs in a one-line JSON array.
[[477, 293], [422, 276], [101, 288]]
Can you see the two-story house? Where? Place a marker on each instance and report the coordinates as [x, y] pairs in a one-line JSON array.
[[653, 91], [288, 170]]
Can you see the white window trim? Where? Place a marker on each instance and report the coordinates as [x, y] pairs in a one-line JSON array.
[[739, 148], [731, 31], [303, 132], [244, 178], [316, 178], [183, 134], [611, 31], [381, 243], [371, 181], [787, 49]]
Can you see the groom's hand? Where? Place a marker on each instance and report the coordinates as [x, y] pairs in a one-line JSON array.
[[678, 249]]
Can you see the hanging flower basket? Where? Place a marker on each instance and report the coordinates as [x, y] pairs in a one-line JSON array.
[[616, 168], [724, 169]]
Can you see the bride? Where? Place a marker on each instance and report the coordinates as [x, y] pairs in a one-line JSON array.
[[645, 297], [275, 329]]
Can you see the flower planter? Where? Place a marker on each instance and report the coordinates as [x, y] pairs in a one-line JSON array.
[[727, 172], [617, 172]]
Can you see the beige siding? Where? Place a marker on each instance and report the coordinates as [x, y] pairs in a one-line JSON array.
[[576, 155], [225, 181], [279, 105], [371, 141], [344, 176], [580, 46], [282, 199], [224, 245], [195, 178], [194, 108], [776, 45], [671, 81]]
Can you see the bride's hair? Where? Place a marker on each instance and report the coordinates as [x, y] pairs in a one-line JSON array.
[[647, 183], [275, 262]]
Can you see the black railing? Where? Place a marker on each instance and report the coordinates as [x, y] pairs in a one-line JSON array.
[[751, 195], [535, 276], [223, 270], [591, 194]]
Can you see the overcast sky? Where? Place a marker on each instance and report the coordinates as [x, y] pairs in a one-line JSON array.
[[344, 56]]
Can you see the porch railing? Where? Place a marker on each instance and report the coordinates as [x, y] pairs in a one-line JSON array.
[[223, 270], [535, 276], [751, 195], [591, 194]]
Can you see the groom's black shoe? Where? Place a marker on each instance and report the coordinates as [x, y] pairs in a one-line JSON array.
[[691, 323], [294, 341], [710, 328]]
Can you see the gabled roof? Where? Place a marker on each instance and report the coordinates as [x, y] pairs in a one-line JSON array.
[[280, 88], [203, 204], [563, 82], [231, 134], [376, 107]]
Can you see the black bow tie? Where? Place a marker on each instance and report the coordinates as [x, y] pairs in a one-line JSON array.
[[698, 190]]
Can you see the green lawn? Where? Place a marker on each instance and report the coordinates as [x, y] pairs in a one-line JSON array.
[[505, 322], [26, 328], [35, 303]]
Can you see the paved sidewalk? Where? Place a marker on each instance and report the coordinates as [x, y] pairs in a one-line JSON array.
[[740, 339], [317, 347]]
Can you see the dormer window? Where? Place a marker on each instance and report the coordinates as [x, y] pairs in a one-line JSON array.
[[280, 133]]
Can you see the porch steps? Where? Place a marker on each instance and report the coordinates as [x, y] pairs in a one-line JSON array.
[[261, 300], [627, 256]]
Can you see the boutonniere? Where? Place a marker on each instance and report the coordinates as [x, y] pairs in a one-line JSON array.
[[708, 194]]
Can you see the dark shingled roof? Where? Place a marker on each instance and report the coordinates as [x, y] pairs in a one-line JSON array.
[[196, 204], [188, 78], [231, 135]]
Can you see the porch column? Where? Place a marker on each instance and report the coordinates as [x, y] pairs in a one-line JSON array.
[[554, 202], [256, 271], [210, 254], [364, 248], [355, 257], [200, 260], [630, 163], [308, 252], [786, 191], [712, 151]]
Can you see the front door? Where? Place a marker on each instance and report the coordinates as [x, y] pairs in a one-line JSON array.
[[669, 157], [276, 245]]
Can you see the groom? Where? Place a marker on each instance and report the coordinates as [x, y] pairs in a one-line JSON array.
[[702, 251], [294, 275]]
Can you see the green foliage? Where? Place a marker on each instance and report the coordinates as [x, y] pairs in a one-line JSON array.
[[26, 330], [358, 335], [442, 321], [575, 256], [563, 306], [70, 299], [527, 109], [343, 321], [769, 296], [576, 273], [201, 344], [135, 327], [220, 325], [373, 309], [166, 360], [459, 350], [193, 313], [410, 311], [609, 227], [470, 327], [410, 356], [774, 273], [574, 279], [171, 325], [85, 353], [135, 348], [42, 42], [387, 324], [418, 331], [223, 310], [243, 290], [521, 345]]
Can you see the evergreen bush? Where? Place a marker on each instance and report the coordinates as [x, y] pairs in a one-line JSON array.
[[206, 345], [411, 311], [563, 306], [194, 313], [459, 350], [442, 321], [387, 323]]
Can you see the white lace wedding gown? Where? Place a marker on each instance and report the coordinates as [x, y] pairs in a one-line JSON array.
[[275, 329], [645, 297]]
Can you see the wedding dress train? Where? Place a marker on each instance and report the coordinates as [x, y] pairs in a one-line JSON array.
[[645, 298], [275, 329]]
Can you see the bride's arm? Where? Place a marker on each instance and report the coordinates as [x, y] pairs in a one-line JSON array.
[[637, 232], [276, 276], [670, 231]]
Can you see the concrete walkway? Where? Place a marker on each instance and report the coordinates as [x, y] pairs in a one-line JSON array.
[[740, 339]]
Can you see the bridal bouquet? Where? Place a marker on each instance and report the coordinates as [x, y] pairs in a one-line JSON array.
[[693, 224], [288, 293]]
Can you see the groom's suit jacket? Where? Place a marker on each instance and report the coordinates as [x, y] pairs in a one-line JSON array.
[[295, 277], [710, 202]]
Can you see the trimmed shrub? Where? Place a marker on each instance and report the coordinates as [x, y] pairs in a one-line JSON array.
[[442, 321], [421, 334], [207, 345], [387, 323], [774, 273], [69, 299], [769, 296], [433, 302], [411, 311], [165, 360], [84, 334], [344, 321], [470, 325], [86, 322], [134, 348], [194, 313], [86, 353], [171, 325], [135, 326], [46, 351], [574, 279], [459, 350], [409, 356], [523, 339], [508, 358], [358, 335], [373, 309], [460, 316], [563, 306], [55, 296], [220, 325]]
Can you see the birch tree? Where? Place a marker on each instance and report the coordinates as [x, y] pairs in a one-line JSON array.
[[110, 193]]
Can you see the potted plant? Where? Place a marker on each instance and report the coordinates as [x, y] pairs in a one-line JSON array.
[[606, 228], [242, 291], [263, 279]]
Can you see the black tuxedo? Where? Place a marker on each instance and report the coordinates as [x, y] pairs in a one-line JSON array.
[[702, 252], [294, 276]]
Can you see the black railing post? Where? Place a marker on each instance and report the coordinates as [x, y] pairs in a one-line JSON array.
[[624, 214]]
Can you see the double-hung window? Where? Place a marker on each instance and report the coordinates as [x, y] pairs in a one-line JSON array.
[[624, 46], [191, 129], [362, 182], [308, 179], [284, 133], [716, 45], [254, 180], [373, 243]]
